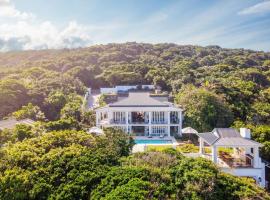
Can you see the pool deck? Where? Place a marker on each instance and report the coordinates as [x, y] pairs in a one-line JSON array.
[[143, 147]]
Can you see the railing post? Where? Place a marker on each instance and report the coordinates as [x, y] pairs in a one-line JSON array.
[[126, 121], [150, 123], [214, 154]]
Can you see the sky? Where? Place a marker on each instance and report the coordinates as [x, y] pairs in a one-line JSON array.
[[55, 24]]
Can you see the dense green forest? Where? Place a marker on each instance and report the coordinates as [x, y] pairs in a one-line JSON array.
[[75, 165], [217, 87]]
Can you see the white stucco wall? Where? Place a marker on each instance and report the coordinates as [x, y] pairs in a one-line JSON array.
[[107, 90]]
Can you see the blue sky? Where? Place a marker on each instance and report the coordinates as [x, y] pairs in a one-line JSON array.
[[41, 24]]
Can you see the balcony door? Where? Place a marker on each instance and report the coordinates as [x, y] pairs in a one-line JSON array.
[[138, 117], [158, 117]]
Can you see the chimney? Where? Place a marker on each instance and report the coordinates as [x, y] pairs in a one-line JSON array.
[[158, 90], [245, 133]]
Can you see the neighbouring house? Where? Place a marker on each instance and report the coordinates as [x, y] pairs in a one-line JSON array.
[[11, 123], [234, 152], [142, 114], [125, 88]]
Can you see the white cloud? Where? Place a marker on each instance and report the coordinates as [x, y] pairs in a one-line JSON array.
[[22, 31], [8, 10], [24, 35], [4, 2], [262, 7]]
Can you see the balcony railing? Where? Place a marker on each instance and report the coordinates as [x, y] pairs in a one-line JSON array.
[[159, 122], [244, 161], [141, 122], [138, 122], [174, 121], [117, 122]]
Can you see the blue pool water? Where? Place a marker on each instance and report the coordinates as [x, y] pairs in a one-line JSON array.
[[138, 141]]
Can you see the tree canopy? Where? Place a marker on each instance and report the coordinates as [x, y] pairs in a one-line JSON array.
[[204, 110], [77, 165], [57, 159]]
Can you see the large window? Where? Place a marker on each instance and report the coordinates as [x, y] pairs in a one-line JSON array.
[[119, 117], [159, 131], [138, 117], [174, 119], [138, 131], [158, 117]]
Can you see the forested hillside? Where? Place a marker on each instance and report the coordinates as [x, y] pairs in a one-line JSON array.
[[217, 87], [57, 159], [70, 165], [236, 78]]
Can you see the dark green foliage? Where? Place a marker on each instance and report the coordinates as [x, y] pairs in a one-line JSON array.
[[13, 95], [54, 102], [141, 177], [58, 165], [36, 163], [62, 124], [18, 133], [116, 179], [22, 131], [135, 189], [240, 76], [29, 111], [204, 110], [76, 165]]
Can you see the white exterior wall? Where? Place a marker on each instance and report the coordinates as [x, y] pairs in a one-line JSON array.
[[161, 127], [257, 173], [125, 88], [107, 90], [151, 87]]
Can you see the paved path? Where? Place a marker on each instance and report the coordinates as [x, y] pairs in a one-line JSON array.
[[93, 100]]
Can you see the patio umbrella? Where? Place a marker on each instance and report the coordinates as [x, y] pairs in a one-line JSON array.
[[189, 130], [96, 130]]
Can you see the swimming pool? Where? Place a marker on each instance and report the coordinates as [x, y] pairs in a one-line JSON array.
[[141, 141]]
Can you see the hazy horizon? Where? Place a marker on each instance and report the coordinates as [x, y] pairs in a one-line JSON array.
[[65, 48]]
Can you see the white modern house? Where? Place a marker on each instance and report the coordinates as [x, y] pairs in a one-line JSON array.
[[142, 114], [244, 159]]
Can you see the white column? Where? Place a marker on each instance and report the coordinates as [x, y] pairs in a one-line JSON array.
[[201, 146], [169, 131], [168, 117], [179, 124], [169, 122], [150, 122], [256, 157], [214, 154], [110, 116], [97, 118], [126, 121], [262, 183]]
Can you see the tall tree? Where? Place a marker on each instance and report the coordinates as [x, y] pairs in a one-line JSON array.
[[204, 110]]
